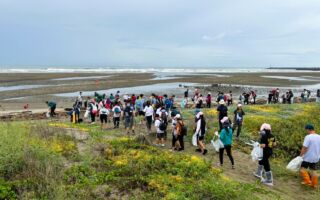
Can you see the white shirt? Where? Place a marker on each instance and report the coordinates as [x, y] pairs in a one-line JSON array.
[[312, 142], [148, 111], [157, 124], [104, 111], [80, 98]]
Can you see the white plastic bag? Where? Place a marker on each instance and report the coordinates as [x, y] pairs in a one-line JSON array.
[[217, 143], [86, 114], [194, 140], [295, 164], [48, 114], [257, 152]]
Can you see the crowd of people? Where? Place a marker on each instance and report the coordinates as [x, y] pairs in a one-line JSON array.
[[161, 113]]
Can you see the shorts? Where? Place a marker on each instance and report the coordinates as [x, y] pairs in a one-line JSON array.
[[201, 137], [307, 165], [128, 122], [103, 118], [160, 135]]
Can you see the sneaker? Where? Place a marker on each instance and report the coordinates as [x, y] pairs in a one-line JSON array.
[[163, 145], [232, 167], [198, 150], [205, 152]]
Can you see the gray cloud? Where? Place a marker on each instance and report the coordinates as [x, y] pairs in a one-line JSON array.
[[162, 33]]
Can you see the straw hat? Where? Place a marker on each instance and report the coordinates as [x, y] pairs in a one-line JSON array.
[[221, 102]]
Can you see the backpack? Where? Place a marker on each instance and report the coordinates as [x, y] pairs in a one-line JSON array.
[[104, 111], [184, 130], [128, 111], [117, 110], [94, 108], [162, 126], [164, 117]]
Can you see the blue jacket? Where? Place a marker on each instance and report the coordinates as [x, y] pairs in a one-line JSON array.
[[226, 137]]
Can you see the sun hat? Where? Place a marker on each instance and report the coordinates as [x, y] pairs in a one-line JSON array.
[[223, 120], [178, 116], [309, 127], [265, 126], [221, 102]]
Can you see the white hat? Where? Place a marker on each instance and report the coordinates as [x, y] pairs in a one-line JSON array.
[[221, 101], [265, 126], [239, 105], [225, 119], [178, 116]]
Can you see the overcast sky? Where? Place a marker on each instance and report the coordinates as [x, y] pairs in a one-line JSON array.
[[203, 33]]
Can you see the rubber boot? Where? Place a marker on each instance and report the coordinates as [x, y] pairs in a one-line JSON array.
[[269, 180], [259, 171], [315, 181], [306, 178]]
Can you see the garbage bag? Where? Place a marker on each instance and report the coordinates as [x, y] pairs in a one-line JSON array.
[[195, 139], [257, 152], [86, 114], [217, 143], [295, 164]]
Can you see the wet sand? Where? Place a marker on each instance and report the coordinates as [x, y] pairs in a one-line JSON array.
[[49, 84]]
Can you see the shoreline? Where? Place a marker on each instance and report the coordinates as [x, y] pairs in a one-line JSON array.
[[52, 86]]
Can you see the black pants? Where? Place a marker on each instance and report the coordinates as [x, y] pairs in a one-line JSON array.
[[237, 126], [149, 122], [265, 163], [93, 117], [220, 124], [52, 113], [174, 140], [180, 138], [116, 122], [209, 105], [228, 149]]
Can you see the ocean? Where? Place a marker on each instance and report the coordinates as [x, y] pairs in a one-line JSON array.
[[126, 69]]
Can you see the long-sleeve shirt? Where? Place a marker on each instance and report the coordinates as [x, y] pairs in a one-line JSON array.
[[226, 137]]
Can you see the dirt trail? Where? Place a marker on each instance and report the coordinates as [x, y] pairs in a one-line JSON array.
[[286, 188]]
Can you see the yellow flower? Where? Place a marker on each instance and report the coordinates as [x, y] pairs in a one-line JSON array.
[[195, 159]]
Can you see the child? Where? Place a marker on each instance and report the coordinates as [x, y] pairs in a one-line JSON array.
[[160, 131], [116, 115]]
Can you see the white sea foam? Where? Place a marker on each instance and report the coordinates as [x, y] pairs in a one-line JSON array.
[[173, 70]]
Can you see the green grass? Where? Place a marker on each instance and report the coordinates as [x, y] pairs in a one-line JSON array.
[[39, 160]]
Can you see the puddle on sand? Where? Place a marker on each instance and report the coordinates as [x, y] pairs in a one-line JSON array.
[[161, 88], [80, 78], [20, 87]]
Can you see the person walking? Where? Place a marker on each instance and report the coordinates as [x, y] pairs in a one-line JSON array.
[[267, 142], [223, 112], [128, 114], [103, 113], [310, 153], [180, 131], [226, 138], [209, 100], [159, 124], [93, 110], [116, 115], [238, 119], [201, 131], [148, 110]]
